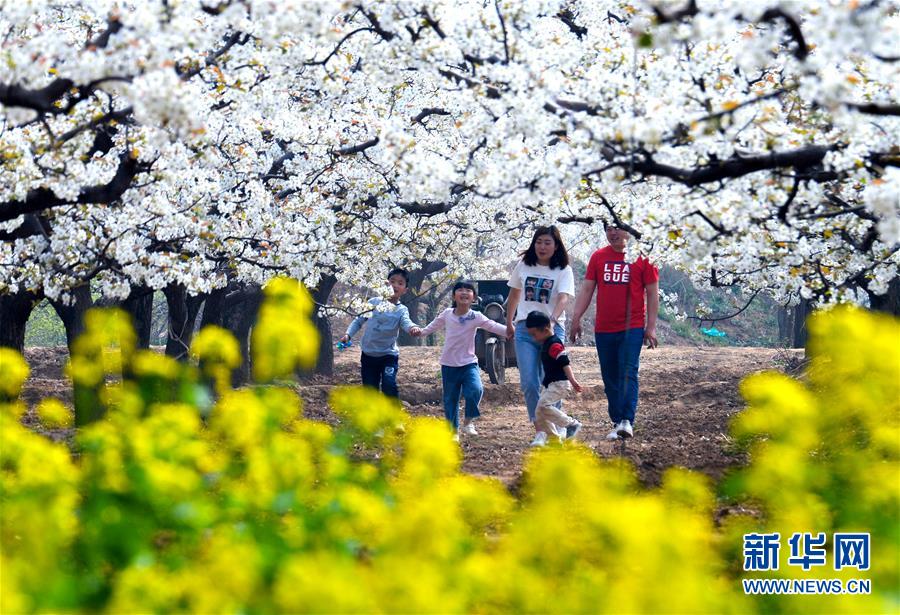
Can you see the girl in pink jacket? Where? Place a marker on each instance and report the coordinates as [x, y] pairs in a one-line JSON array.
[[459, 366]]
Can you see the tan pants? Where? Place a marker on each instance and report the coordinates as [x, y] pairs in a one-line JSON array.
[[548, 418]]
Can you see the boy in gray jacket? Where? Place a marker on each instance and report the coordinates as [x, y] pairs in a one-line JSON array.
[[380, 355]]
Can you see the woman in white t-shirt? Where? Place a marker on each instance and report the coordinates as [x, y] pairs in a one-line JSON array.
[[542, 281]]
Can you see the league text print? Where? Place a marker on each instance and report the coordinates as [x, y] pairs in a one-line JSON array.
[[615, 272]]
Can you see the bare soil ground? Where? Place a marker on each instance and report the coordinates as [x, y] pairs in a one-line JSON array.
[[687, 397]]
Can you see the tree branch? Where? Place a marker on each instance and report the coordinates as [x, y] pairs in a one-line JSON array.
[[503, 28], [425, 209], [427, 112], [576, 219], [567, 17], [736, 166], [360, 147], [875, 109], [230, 41], [337, 47], [491, 91], [40, 100], [680, 15], [617, 221], [719, 318], [796, 33], [44, 198], [376, 26]]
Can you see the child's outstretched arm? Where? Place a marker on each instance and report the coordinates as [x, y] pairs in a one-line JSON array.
[[354, 327], [407, 324], [491, 325], [434, 325]]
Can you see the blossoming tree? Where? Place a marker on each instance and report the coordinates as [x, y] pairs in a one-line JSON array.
[[202, 148]]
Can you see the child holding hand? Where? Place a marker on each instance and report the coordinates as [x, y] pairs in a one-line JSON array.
[[558, 381], [459, 366], [380, 356]]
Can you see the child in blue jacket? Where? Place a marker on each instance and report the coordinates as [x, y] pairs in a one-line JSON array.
[[380, 355]]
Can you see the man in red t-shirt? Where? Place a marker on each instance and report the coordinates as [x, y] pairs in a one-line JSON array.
[[624, 322]]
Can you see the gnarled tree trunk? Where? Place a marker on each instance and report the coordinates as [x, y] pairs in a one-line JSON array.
[[183, 310], [139, 305], [15, 308], [800, 335], [212, 309], [413, 299], [239, 309], [785, 327], [72, 313], [321, 294], [888, 302]]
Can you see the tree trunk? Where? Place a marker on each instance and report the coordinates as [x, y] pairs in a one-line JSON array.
[[183, 310], [800, 335], [194, 306], [139, 305], [72, 314], [239, 310], [14, 312], [321, 294], [431, 310], [785, 328], [888, 302], [413, 299], [430, 313], [412, 304], [213, 308]]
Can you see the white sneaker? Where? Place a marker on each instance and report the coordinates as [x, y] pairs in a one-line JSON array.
[[469, 429], [572, 429], [614, 434], [624, 429], [540, 439]]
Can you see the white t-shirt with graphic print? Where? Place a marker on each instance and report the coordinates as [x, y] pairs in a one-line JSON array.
[[540, 288]]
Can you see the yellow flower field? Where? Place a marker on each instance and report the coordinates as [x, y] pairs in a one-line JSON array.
[[184, 495]]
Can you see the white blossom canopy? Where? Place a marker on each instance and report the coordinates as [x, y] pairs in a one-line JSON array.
[[192, 143]]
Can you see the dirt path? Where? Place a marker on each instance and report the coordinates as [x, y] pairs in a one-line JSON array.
[[687, 397]]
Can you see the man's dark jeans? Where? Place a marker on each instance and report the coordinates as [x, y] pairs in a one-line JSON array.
[[619, 355]]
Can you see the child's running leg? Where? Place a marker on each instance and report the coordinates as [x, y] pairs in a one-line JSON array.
[[452, 382], [550, 419], [472, 390], [371, 368], [389, 375]]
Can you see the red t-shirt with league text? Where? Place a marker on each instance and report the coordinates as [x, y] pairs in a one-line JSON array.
[[616, 281]]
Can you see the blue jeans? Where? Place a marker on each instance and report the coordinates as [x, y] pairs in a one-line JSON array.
[[380, 373], [465, 380], [619, 355], [531, 372]]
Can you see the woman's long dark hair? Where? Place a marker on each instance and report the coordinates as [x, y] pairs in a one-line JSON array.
[[560, 258]]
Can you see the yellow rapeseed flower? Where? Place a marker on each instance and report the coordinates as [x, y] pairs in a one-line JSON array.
[[53, 413], [216, 345], [149, 364], [13, 373]]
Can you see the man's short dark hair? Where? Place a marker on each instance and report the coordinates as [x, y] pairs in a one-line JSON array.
[[618, 225], [399, 271], [537, 320]]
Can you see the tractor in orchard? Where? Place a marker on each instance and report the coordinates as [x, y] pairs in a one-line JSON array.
[[494, 353]]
